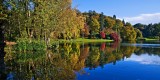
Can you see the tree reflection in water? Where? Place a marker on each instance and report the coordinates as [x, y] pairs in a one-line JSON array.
[[2, 64], [2, 53], [64, 60]]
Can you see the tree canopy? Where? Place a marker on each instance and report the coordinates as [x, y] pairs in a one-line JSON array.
[[45, 20]]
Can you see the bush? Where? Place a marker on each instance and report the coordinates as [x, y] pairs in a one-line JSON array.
[[108, 36], [25, 45], [115, 36], [103, 35]]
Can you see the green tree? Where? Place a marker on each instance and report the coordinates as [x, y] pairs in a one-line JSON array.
[[94, 25], [101, 21], [109, 23], [124, 23], [139, 26], [128, 33], [139, 33], [128, 24], [118, 25], [3, 20], [114, 17], [44, 20]]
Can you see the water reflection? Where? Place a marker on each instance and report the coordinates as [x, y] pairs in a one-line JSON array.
[[2, 63], [145, 59], [65, 61]]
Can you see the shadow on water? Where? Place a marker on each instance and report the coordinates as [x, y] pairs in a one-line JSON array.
[[3, 75]]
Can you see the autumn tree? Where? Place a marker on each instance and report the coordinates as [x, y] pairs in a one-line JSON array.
[[85, 31], [109, 22], [128, 33], [118, 25], [94, 25], [43, 20], [128, 24]]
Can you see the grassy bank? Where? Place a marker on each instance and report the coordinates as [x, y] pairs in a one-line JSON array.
[[26, 45], [148, 39], [80, 40]]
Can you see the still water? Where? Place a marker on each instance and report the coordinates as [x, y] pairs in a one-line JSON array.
[[84, 61]]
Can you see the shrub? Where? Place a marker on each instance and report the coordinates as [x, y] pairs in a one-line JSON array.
[[115, 36], [25, 45], [102, 34]]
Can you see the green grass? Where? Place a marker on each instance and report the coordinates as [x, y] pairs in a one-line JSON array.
[[25, 45], [81, 40], [148, 39]]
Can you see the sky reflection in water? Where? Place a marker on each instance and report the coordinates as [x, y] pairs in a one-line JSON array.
[[145, 66], [145, 59]]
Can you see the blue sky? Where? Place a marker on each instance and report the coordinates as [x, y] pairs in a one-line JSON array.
[[134, 11]]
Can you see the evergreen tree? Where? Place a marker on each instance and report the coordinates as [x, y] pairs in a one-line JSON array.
[[101, 21], [114, 17]]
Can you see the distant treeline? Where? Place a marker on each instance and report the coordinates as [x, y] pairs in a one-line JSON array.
[[150, 30], [56, 19], [98, 23]]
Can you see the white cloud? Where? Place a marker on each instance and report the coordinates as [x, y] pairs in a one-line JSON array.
[[144, 18], [145, 59]]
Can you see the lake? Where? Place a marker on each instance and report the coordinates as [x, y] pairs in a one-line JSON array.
[[84, 61]]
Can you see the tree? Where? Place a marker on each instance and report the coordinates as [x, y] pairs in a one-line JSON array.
[[128, 24], [150, 30], [94, 25], [147, 32], [114, 17], [85, 31], [139, 33], [71, 24], [109, 23], [139, 26], [101, 21], [124, 23], [118, 25], [128, 33], [3, 21], [42, 19]]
